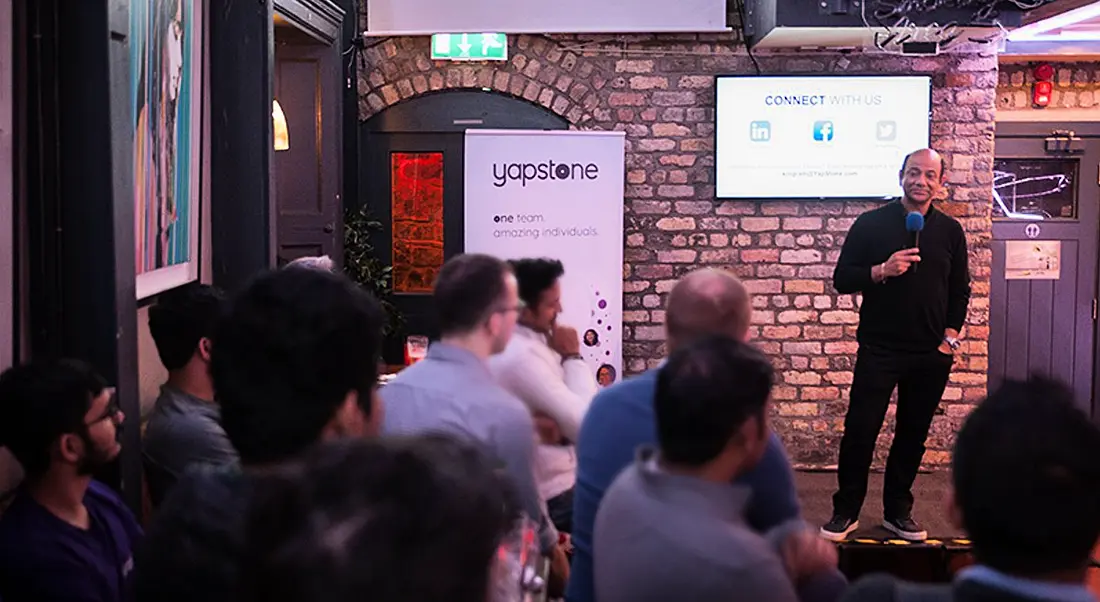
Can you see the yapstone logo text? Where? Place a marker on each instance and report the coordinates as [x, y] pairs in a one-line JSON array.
[[523, 173]]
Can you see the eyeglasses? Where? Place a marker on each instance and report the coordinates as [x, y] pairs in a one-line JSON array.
[[517, 308], [111, 412]]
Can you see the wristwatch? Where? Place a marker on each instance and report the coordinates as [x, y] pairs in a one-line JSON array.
[[952, 342]]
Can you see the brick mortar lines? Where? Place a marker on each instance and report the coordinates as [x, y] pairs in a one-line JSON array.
[[785, 251]]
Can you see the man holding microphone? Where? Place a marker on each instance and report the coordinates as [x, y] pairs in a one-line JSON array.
[[909, 261]]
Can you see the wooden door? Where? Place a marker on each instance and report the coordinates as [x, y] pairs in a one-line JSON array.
[[1046, 217], [308, 174]]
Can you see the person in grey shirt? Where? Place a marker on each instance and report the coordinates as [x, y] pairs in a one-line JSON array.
[[671, 527], [452, 390], [184, 429]]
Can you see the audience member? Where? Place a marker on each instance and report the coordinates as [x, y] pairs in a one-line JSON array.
[[65, 537], [621, 419], [295, 363], [1027, 493], [416, 520], [543, 367], [671, 526], [184, 428], [452, 390]]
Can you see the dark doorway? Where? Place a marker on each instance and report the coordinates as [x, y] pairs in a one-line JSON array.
[[411, 174], [308, 166], [1046, 221]]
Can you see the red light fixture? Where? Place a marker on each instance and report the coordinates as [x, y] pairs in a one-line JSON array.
[[1043, 88], [1040, 94]]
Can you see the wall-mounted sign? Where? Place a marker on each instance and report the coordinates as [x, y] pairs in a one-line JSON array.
[[1033, 259], [1032, 230], [469, 47]]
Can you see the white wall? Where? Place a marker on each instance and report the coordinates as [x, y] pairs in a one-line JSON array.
[[9, 469], [8, 274]]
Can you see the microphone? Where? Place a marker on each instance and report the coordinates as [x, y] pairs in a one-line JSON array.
[[914, 222]]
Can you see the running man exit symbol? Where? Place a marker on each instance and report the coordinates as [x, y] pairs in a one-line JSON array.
[[760, 131]]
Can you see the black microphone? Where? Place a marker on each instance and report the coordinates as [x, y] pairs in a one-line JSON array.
[[914, 222]]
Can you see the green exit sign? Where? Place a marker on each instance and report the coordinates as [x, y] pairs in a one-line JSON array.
[[469, 47]]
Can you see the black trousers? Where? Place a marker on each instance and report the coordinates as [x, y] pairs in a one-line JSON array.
[[920, 379], [560, 508]]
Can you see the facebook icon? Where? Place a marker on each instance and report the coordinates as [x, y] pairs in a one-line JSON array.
[[823, 131], [760, 131]]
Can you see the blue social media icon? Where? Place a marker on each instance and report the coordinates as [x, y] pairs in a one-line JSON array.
[[823, 131], [760, 131]]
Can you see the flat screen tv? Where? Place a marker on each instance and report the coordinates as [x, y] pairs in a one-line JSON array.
[[817, 137]]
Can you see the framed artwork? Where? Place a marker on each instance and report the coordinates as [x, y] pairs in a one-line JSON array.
[[166, 91]]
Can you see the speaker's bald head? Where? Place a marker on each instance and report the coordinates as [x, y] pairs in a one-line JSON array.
[[707, 302]]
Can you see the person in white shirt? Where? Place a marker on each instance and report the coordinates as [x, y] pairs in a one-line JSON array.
[[543, 367]]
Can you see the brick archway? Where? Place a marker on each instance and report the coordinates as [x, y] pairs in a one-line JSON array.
[[539, 71]]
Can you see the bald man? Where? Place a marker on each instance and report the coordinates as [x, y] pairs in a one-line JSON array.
[[621, 419], [914, 305]]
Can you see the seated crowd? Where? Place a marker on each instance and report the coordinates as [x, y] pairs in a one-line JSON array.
[[279, 469]]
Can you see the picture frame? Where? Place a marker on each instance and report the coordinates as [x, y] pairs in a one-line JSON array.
[[166, 68]]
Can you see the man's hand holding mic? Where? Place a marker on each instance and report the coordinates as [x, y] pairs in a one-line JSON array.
[[896, 265]]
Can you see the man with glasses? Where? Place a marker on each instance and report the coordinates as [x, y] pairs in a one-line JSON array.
[[451, 390], [65, 536]]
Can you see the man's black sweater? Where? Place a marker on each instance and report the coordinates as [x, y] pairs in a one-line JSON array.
[[908, 312]]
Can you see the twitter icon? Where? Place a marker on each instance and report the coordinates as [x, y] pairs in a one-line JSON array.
[[886, 131]]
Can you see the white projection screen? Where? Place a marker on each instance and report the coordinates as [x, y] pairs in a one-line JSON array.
[[425, 17]]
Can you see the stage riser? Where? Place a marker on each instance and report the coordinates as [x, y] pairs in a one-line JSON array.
[[919, 563]]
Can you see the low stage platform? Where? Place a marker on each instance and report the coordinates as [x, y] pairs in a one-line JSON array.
[[873, 548]]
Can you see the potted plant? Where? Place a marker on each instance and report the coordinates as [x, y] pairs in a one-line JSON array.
[[362, 265]]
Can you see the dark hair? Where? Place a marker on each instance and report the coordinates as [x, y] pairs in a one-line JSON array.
[[1027, 480], [404, 520], [40, 402], [182, 317], [705, 393], [466, 291], [192, 547], [535, 276], [290, 348]]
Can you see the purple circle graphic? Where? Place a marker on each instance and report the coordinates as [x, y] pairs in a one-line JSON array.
[[599, 321], [609, 328], [602, 304], [607, 353]]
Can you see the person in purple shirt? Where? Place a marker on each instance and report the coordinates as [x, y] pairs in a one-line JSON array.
[[622, 418], [64, 537]]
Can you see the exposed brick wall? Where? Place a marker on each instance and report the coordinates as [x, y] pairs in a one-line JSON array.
[[1076, 86], [659, 90]]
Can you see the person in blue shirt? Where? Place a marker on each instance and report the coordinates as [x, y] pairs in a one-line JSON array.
[[1027, 493], [65, 537], [621, 419]]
